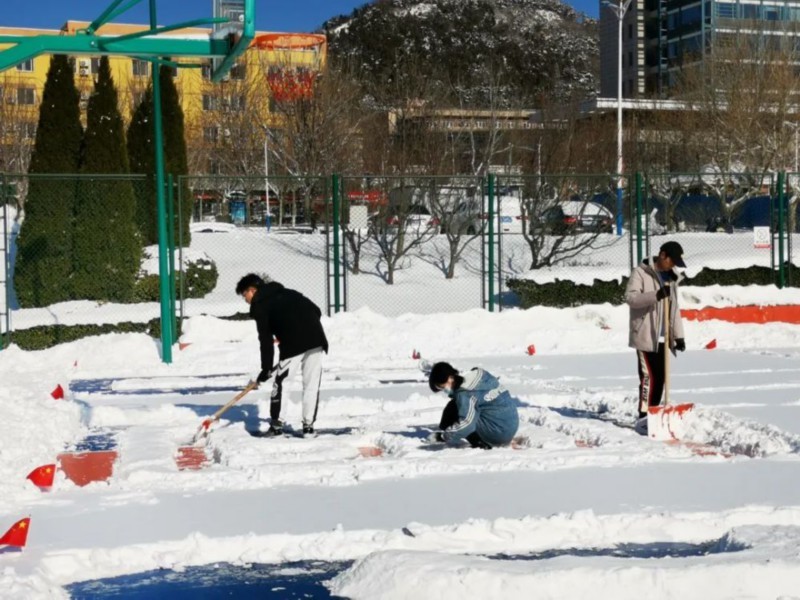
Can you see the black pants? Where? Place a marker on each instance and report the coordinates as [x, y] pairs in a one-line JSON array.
[[450, 417], [651, 378]]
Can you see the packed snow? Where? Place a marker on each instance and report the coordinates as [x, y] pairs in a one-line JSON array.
[[579, 506]]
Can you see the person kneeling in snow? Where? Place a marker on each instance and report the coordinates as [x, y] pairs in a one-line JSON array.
[[480, 410]]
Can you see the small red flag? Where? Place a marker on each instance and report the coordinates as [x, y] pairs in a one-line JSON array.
[[58, 393], [43, 476], [712, 344], [415, 355], [18, 534], [531, 350]]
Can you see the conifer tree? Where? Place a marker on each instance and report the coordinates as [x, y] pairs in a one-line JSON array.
[[141, 153], [107, 247], [141, 156], [175, 151], [44, 261]]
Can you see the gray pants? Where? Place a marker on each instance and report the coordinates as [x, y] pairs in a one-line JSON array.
[[310, 365]]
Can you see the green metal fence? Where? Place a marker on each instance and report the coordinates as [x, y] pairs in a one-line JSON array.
[[391, 244]]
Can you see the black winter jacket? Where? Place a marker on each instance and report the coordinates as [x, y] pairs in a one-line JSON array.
[[289, 316]]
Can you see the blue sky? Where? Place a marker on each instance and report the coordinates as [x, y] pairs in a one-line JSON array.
[[272, 15]]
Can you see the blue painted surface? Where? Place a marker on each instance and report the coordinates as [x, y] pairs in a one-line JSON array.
[[286, 580], [105, 386], [99, 440], [652, 550]]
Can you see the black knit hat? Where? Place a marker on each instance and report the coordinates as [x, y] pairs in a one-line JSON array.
[[440, 373]]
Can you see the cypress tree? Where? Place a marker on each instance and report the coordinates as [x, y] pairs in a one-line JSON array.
[[44, 260], [141, 153], [141, 156], [107, 247], [175, 155]]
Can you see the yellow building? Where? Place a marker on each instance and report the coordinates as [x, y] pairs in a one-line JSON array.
[[273, 66]]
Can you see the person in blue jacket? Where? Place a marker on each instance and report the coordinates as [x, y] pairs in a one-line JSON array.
[[480, 410]]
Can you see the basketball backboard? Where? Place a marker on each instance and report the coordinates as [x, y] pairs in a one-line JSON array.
[[238, 22]]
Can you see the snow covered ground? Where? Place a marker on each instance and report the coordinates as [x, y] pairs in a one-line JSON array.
[[580, 508]]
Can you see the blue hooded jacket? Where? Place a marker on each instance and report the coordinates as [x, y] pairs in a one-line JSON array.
[[483, 406]]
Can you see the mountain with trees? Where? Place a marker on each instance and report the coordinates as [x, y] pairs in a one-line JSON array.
[[481, 52]]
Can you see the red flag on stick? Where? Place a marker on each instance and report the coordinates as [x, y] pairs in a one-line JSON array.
[[531, 350], [18, 534], [58, 393], [43, 476], [712, 344]]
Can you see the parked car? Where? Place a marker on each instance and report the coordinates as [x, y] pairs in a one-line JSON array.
[[576, 216], [417, 219]]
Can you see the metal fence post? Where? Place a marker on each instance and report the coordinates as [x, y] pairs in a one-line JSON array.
[[171, 238], [491, 241], [781, 229], [181, 282], [336, 274], [5, 314], [639, 191]]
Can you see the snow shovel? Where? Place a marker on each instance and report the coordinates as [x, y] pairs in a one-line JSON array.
[[193, 456], [667, 421]]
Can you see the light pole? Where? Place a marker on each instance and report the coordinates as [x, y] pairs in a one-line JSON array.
[[267, 216], [619, 9]]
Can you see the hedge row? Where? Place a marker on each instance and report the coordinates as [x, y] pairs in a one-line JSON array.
[[565, 293], [47, 336], [199, 279]]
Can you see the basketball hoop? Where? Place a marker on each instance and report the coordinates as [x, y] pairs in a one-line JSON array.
[[292, 63]]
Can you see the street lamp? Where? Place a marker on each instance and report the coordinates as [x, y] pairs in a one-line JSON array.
[[619, 9], [267, 216]]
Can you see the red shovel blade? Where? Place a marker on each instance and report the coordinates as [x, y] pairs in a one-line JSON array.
[[668, 422], [83, 468], [191, 457], [370, 451]]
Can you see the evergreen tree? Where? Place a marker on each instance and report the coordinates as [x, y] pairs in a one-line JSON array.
[[44, 260], [141, 156], [175, 155], [107, 248], [141, 152]]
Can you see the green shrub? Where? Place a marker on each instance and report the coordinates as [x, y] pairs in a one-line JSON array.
[[200, 278], [565, 293], [47, 336]]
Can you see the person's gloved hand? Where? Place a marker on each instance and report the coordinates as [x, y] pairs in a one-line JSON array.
[[680, 344], [260, 377], [663, 292], [436, 436]]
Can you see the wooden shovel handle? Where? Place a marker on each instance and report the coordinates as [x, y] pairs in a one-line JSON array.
[[250, 387], [667, 350]]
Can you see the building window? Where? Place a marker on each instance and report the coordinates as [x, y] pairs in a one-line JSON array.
[[237, 102], [27, 129], [238, 71], [206, 70], [630, 59], [210, 102], [630, 31], [95, 66], [726, 10], [26, 65], [26, 95], [210, 134], [141, 68]]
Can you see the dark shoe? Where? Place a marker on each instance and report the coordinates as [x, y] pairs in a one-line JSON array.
[[308, 431], [273, 432], [640, 426]]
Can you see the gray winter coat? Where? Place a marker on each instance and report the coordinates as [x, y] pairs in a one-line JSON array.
[[646, 312]]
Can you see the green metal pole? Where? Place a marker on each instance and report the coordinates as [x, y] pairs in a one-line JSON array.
[[336, 289], [163, 257], [171, 240], [781, 226], [639, 186], [491, 241]]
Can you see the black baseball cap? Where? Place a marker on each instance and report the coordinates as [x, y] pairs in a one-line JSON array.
[[675, 252]]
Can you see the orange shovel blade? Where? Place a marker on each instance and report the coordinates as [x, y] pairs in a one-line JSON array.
[[370, 451], [191, 457], [668, 422]]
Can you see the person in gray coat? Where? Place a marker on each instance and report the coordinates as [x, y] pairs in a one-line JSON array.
[[653, 281], [480, 410]]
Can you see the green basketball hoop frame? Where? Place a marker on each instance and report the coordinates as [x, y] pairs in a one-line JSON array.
[[233, 29]]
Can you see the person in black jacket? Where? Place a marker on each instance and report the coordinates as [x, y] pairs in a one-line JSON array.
[[294, 320]]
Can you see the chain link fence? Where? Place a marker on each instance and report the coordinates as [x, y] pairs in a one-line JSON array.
[[412, 244], [724, 221], [80, 241], [243, 229], [394, 245]]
